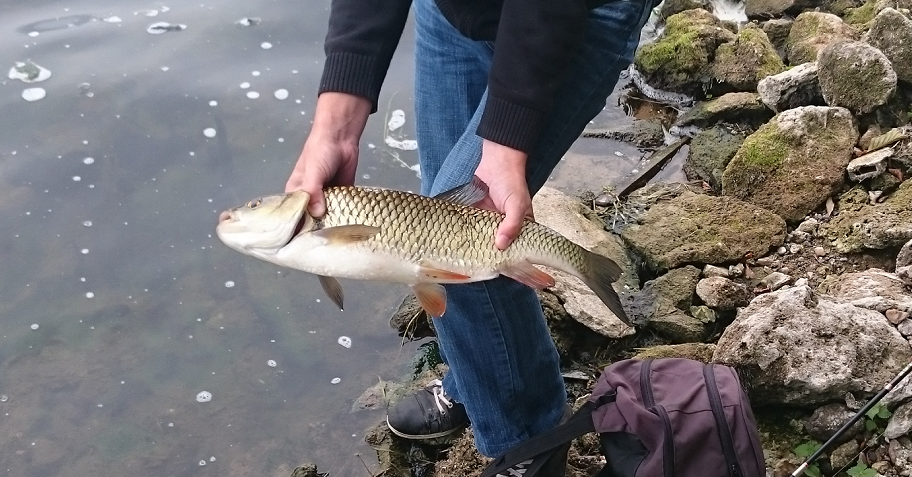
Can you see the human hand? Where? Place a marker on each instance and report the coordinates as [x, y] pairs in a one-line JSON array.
[[330, 154], [503, 169]]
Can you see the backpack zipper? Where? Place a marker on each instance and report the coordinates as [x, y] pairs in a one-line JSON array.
[[715, 402], [649, 401]]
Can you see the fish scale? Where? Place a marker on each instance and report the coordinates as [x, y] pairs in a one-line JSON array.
[[418, 228]]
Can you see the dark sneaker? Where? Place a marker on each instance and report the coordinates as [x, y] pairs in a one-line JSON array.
[[427, 414]]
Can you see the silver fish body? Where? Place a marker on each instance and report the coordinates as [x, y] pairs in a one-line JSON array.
[[395, 236]]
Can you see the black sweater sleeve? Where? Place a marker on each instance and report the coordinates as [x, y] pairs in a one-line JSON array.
[[362, 36], [535, 41]]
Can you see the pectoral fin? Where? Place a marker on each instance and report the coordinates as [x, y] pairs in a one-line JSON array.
[[432, 298], [346, 234], [526, 273], [333, 289], [466, 194]]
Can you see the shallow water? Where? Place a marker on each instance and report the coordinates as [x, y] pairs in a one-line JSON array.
[[118, 306]]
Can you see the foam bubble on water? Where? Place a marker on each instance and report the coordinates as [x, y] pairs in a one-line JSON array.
[[4, 398], [165, 68], [34, 326], [28, 72], [245, 85], [86, 223], [271, 363], [212, 459], [164, 9], [213, 103], [247, 21], [84, 251], [336, 380], [33, 34], [88, 160], [77, 178], [163, 27], [255, 73], [202, 463], [253, 94], [397, 119], [405, 144], [112, 19], [146, 12], [209, 132], [204, 396], [345, 341], [229, 284], [281, 94], [33, 94], [90, 295], [265, 45]]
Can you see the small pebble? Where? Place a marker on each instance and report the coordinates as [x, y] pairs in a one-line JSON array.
[[820, 251], [896, 316], [781, 250], [776, 280], [714, 271], [765, 261], [795, 248], [604, 199], [736, 270]]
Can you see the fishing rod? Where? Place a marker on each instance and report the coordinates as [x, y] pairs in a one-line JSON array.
[[845, 427]]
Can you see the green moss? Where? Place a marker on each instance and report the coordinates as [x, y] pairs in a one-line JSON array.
[[862, 14], [765, 149], [681, 46]]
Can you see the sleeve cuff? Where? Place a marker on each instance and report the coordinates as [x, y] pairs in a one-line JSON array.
[[511, 125], [354, 74]]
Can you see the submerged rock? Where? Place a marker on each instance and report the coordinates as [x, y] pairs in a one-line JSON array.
[[680, 59], [812, 32], [846, 65], [861, 225], [795, 162], [799, 348], [697, 228], [792, 88], [891, 33], [741, 64]]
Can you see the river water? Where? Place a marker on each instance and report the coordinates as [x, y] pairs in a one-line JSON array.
[[119, 309]]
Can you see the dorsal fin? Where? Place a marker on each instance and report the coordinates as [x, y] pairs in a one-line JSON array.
[[466, 194]]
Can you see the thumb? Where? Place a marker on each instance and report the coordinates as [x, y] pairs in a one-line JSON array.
[[509, 228]]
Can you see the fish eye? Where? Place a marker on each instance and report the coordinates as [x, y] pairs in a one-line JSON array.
[[253, 204]]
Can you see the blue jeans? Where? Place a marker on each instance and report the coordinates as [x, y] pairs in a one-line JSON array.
[[503, 365]]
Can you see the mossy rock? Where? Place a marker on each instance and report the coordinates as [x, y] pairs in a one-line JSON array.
[[861, 225], [792, 164], [861, 15], [765, 9], [699, 229], [777, 30], [710, 151], [812, 32], [680, 59], [891, 33], [845, 65], [672, 7], [736, 108], [696, 351], [741, 64]]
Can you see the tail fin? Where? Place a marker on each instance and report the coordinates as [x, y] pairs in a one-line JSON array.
[[600, 273]]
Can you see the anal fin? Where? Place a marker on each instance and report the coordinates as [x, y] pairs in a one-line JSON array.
[[432, 298], [526, 273]]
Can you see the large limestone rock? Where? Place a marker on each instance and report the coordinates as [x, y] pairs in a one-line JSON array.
[[844, 66], [798, 348], [793, 163], [741, 64], [861, 225], [710, 151], [904, 258], [812, 32], [680, 59], [873, 289], [891, 33], [564, 214], [698, 228], [791, 89]]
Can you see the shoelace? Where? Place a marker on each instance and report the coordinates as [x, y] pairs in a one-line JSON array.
[[440, 398]]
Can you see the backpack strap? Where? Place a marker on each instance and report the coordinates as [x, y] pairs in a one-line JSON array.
[[579, 423]]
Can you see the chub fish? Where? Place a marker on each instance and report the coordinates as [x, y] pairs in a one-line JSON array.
[[395, 236]]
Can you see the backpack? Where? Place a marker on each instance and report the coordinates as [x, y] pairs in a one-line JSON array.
[[657, 418]]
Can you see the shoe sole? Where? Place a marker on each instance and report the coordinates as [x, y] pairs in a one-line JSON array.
[[419, 437]]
